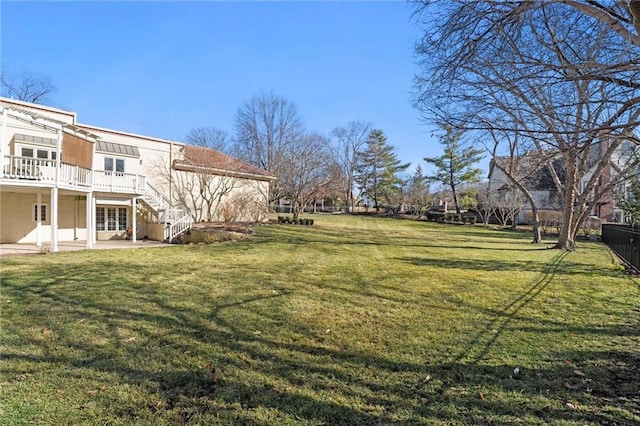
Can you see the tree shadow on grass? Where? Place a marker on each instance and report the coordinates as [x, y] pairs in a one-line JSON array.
[[471, 264], [216, 369], [421, 238]]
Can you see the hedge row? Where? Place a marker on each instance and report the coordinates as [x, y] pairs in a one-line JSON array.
[[451, 217], [287, 219]]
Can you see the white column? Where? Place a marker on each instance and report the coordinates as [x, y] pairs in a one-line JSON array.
[[54, 195], [94, 235], [89, 220], [2, 137], [38, 220], [54, 219], [134, 219]]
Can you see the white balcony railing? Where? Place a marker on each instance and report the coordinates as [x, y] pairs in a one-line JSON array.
[[34, 169], [28, 168], [118, 182]]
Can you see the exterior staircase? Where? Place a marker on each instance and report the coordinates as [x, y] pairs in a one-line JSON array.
[[176, 220]]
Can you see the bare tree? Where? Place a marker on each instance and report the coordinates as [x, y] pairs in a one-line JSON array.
[[508, 204], [209, 137], [26, 87], [547, 71], [201, 181], [350, 140], [265, 125], [304, 172], [486, 205], [518, 166]]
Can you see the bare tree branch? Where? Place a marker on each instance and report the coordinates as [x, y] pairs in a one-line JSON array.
[[26, 87]]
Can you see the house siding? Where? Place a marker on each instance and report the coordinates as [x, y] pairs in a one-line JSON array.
[[17, 226], [82, 174]]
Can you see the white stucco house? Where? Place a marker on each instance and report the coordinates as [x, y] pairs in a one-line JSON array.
[[63, 181]]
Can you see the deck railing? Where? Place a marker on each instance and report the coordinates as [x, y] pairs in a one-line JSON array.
[[36, 169], [155, 198], [118, 182], [176, 228]]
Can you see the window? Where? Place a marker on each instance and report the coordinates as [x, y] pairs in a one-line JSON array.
[[99, 219], [40, 154], [39, 212], [111, 219], [122, 219], [114, 165]]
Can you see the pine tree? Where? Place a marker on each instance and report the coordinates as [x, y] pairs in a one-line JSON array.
[[418, 191], [455, 167], [378, 169]]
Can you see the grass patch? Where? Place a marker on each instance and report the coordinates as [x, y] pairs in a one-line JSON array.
[[356, 320]]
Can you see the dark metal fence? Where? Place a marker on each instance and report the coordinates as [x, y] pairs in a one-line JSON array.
[[625, 241]]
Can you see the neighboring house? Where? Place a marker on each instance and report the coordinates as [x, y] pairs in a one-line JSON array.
[[536, 176], [64, 181]]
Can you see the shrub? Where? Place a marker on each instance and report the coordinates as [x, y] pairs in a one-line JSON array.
[[591, 225], [216, 234], [242, 207], [547, 220], [468, 218]]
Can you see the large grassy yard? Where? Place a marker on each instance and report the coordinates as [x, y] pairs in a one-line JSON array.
[[355, 321]]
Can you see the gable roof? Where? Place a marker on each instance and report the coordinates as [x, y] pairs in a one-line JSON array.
[[532, 169], [197, 158]]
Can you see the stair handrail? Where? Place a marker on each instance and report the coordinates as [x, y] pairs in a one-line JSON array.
[[156, 196], [178, 227]]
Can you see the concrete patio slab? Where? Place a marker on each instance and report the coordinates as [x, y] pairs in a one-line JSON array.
[[27, 249]]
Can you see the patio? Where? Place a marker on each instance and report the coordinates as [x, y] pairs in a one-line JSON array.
[[25, 249]]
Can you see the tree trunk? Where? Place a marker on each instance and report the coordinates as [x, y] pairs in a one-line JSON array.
[[566, 239], [295, 209], [455, 199], [535, 225]]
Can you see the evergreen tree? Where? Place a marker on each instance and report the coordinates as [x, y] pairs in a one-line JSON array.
[[418, 191], [455, 167], [378, 169]]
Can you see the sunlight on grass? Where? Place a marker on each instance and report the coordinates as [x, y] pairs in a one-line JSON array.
[[356, 320]]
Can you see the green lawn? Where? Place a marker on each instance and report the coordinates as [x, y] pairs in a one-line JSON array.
[[356, 320]]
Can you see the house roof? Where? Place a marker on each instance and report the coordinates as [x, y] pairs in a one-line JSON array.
[[532, 168], [215, 162]]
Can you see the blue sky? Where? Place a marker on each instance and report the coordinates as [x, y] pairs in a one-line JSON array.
[[163, 68]]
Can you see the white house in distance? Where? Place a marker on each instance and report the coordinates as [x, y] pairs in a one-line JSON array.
[[536, 177], [65, 181]]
